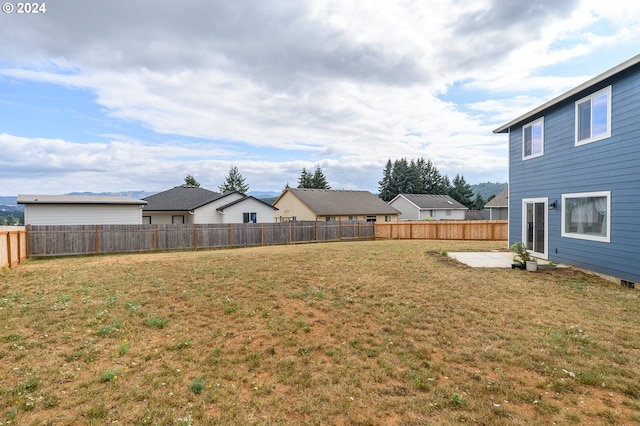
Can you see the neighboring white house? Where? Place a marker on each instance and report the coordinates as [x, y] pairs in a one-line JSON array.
[[81, 210], [189, 204], [428, 207]]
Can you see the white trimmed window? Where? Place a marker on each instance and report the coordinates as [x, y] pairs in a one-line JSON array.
[[587, 216], [593, 117], [533, 139]]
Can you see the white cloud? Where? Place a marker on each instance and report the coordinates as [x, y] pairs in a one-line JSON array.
[[340, 83]]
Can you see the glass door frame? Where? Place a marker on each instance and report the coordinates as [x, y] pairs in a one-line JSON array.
[[545, 233]]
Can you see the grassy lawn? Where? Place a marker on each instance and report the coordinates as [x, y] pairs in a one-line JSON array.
[[367, 333]]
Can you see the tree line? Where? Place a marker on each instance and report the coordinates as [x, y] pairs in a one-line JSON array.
[[399, 177], [422, 177]]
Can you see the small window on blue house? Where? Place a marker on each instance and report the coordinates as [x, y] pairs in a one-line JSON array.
[[249, 217], [593, 117], [587, 216], [533, 139]]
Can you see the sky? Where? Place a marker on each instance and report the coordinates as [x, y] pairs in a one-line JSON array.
[[132, 95]]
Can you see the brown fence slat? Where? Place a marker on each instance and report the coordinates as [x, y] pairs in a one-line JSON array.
[[13, 245], [479, 230]]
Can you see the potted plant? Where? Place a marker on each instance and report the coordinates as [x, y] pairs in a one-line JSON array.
[[522, 257]]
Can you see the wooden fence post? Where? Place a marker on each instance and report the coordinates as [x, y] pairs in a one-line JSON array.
[[97, 241], [26, 241], [316, 229], [230, 236], [9, 248], [290, 231], [262, 233], [195, 238], [155, 237]]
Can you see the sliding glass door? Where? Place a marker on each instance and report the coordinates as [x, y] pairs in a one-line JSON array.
[[534, 225]]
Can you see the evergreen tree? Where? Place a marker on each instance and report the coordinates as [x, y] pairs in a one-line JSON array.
[[234, 182], [400, 177], [305, 179], [446, 186], [431, 179], [319, 181], [478, 203], [315, 180], [386, 193], [190, 180], [461, 191]]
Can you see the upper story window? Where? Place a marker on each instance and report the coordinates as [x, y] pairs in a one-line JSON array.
[[593, 117], [533, 139]]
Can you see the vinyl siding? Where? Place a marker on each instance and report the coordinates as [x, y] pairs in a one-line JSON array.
[[82, 214], [611, 164], [409, 210], [234, 214]]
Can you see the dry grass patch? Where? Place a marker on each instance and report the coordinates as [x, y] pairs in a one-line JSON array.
[[384, 332]]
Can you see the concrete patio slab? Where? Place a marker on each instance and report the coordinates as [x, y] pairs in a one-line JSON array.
[[492, 259]]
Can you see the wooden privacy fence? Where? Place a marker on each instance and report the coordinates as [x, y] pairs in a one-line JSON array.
[[62, 240], [489, 230], [13, 245]]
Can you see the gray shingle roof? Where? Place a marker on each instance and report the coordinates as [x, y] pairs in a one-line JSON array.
[[326, 202], [246, 197], [430, 201], [76, 199], [180, 198], [499, 201]]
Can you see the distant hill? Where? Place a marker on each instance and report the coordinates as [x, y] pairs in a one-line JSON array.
[[488, 188], [131, 194]]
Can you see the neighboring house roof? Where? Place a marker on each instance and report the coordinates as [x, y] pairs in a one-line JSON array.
[[327, 202], [240, 200], [181, 198], [76, 199], [607, 74], [432, 202], [499, 201]]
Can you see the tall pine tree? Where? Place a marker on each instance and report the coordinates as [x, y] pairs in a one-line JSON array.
[[234, 182], [304, 181], [386, 192], [461, 191], [315, 180], [319, 181]]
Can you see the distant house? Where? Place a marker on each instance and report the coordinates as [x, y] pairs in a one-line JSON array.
[[328, 205], [574, 180], [188, 204], [428, 207], [499, 206], [80, 210]]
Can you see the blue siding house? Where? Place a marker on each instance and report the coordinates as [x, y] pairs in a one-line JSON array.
[[574, 176]]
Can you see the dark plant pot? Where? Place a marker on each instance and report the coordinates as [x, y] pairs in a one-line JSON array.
[[518, 266]]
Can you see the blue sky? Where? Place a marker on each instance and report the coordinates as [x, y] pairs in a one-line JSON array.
[[109, 96]]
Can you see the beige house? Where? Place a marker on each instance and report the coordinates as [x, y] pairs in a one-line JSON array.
[[327, 205]]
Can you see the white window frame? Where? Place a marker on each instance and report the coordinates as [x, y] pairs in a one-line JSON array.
[[545, 201], [539, 121], [590, 98], [605, 239]]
